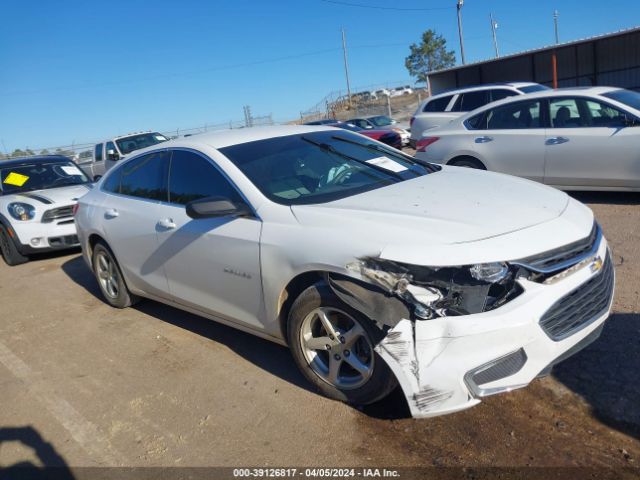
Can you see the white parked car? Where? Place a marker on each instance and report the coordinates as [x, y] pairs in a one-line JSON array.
[[399, 91], [37, 196], [375, 269], [383, 92], [573, 139], [381, 122], [110, 151], [442, 108]]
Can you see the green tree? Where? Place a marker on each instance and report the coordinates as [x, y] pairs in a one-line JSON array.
[[44, 152], [18, 153], [428, 56]]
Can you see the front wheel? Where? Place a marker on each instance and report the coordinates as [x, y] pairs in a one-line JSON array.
[[333, 345], [10, 253]]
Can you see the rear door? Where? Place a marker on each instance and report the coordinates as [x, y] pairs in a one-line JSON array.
[[510, 138], [212, 264], [588, 144], [130, 215]]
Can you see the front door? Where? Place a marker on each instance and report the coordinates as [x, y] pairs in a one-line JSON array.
[[212, 264]]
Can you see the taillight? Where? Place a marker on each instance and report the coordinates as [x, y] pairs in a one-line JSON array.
[[75, 209], [411, 121], [423, 143]]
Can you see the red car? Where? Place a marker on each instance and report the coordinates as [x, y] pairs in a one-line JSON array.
[[389, 137]]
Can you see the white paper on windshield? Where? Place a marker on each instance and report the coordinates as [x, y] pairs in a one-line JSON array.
[[71, 170], [387, 164], [160, 138]]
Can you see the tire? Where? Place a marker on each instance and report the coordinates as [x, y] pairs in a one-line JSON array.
[[97, 177], [467, 162], [308, 339], [110, 279], [10, 253]]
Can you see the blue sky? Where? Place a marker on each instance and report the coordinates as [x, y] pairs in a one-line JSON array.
[[79, 71]]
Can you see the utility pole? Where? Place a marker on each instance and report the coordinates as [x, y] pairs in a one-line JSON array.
[[494, 26], [346, 65], [555, 24], [460, 3]]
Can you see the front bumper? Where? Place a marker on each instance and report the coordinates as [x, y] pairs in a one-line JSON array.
[[37, 237], [435, 360]]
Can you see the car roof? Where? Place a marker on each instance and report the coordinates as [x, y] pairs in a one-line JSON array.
[[484, 86], [224, 138], [33, 159]]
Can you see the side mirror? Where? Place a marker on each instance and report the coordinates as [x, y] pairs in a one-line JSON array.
[[212, 207], [112, 155]]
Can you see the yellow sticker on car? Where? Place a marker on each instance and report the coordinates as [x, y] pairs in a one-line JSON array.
[[16, 179]]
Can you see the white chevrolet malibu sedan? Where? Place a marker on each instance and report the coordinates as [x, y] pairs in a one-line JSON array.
[[374, 268]]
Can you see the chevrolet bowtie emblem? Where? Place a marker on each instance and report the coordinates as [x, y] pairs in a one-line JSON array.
[[596, 266]]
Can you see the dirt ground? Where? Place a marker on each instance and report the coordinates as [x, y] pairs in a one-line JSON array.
[[82, 384]]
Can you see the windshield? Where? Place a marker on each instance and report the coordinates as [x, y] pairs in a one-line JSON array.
[[533, 88], [136, 142], [27, 177], [381, 121], [319, 167], [627, 97]]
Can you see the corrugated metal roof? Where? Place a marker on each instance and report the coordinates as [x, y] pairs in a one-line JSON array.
[[541, 49]]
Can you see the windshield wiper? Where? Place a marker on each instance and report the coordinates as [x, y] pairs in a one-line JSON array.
[[331, 149], [376, 148]]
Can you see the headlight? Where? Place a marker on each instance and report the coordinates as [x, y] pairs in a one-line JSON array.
[[21, 211], [443, 291]]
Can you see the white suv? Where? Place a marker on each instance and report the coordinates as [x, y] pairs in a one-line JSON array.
[[444, 107], [37, 197]]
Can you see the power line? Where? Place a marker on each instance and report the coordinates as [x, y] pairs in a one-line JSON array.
[[379, 7]]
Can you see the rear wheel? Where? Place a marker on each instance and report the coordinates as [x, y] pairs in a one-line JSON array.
[[333, 345], [467, 162], [9, 250], [110, 279]]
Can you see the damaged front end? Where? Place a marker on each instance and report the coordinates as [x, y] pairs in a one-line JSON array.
[[431, 292], [413, 305]]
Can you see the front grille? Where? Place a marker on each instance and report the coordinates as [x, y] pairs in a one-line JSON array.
[[566, 256], [581, 306], [57, 213]]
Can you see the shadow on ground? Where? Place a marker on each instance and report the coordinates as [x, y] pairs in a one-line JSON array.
[[51, 464], [610, 198], [607, 374]]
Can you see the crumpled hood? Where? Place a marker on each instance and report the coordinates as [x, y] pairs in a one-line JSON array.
[[453, 206], [52, 197]]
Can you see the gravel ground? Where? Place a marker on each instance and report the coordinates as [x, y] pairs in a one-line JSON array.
[[86, 385]]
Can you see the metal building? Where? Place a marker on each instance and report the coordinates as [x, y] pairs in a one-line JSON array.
[[610, 59]]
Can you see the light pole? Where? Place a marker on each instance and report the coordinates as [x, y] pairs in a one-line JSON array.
[[555, 24], [494, 26], [346, 66], [460, 3]]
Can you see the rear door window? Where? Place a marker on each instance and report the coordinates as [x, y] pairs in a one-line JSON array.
[[146, 177], [518, 115], [469, 101], [437, 104], [98, 153]]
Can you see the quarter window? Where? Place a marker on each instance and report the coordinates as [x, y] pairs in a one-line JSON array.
[[146, 177], [192, 178]]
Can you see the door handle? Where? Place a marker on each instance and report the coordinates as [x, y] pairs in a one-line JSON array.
[[111, 213], [166, 224], [556, 140], [484, 139]]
